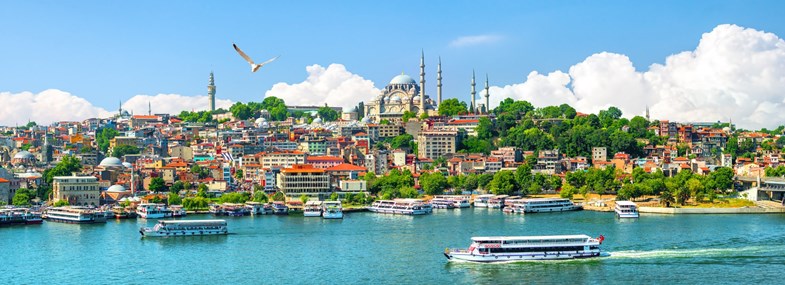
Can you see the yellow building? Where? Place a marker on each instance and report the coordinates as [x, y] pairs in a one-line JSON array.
[[77, 190]]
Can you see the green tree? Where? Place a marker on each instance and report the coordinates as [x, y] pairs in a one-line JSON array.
[[433, 183], [408, 115], [121, 150], [157, 184], [279, 196], [21, 199], [238, 174], [177, 187], [201, 190], [260, 196], [471, 182], [452, 107], [503, 183], [484, 179], [67, 165], [103, 136], [334, 196], [60, 203], [196, 203], [485, 128], [328, 114], [303, 198], [402, 140], [174, 199], [234, 197], [241, 111], [567, 191]]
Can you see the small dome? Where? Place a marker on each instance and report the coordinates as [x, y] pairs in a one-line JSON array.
[[24, 155], [365, 120], [111, 162], [416, 98], [260, 121], [317, 120], [726, 129], [402, 79], [394, 99], [127, 165], [116, 188]]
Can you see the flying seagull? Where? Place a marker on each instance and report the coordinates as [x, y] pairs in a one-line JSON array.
[[254, 66]]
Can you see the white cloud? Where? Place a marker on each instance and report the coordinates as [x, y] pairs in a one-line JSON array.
[[334, 86], [45, 107], [475, 40], [171, 103], [734, 72]]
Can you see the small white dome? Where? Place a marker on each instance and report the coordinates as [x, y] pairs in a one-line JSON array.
[[116, 188], [365, 120], [127, 164], [24, 155], [317, 120], [394, 99], [111, 162]]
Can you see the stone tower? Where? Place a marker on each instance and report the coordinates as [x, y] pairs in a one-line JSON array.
[[473, 108], [422, 83], [439, 82], [487, 96], [211, 92]]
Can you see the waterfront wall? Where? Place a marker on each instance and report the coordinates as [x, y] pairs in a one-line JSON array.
[[750, 210]]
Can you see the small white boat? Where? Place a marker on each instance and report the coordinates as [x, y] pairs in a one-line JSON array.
[[312, 209], [181, 228], [442, 203], [153, 211], [332, 210], [481, 201], [518, 248], [497, 202], [626, 209], [256, 208]]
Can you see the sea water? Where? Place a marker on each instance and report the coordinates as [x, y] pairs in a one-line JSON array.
[[366, 248]]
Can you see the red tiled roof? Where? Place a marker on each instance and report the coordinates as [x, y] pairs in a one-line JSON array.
[[346, 167], [324, 158], [145, 117]]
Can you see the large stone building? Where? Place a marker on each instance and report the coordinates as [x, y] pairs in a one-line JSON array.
[[304, 179], [77, 190], [402, 94], [435, 144]]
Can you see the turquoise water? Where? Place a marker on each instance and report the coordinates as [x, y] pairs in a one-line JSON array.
[[386, 249]]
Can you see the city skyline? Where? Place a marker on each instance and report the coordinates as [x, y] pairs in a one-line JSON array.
[[684, 66]]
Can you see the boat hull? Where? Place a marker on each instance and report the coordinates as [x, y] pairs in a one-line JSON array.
[[312, 214], [69, 221], [627, 215], [338, 215], [398, 212], [494, 258], [554, 209], [183, 233]]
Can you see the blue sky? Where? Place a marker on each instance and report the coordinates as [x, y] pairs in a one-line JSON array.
[[109, 51]]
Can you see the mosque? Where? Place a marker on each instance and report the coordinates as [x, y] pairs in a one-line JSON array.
[[403, 94]]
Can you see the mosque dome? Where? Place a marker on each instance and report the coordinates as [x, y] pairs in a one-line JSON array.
[[260, 121], [111, 162], [402, 79], [116, 188], [127, 164], [726, 129], [416, 98], [394, 99], [317, 120], [365, 120], [24, 155]]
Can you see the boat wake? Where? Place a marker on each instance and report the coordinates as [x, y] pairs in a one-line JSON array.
[[701, 252]]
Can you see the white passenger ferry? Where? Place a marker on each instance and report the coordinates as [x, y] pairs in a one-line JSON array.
[[461, 202], [442, 203], [518, 248], [74, 215], [332, 210], [401, 207], [256, 208], [174, 228], [548, 205], [153, 211], [312, 209], [497, 202], [626, 209], [481, 201]]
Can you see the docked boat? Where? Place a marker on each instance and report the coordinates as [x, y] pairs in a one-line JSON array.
[[626, 209], [401, 207], [153, 211], [481, 201], [442, 203], [460, 202], [312, 209], [332, 210], [518, 248], [279, 208], [497, 202], [216, 209], [540, 205], [19, 216], [234, 210], [74, 215], [123, 213], [178, 211], [256, 208], [181, 228]]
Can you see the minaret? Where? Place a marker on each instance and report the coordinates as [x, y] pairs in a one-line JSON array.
[[211, 92], [647, 112], [439, 81], [149, 108], [422, 83], [120, 108], [487, 96], [471, 103]]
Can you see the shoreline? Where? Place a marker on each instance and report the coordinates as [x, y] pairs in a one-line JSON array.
[[694, 211]]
